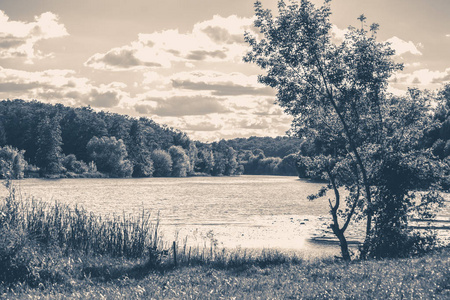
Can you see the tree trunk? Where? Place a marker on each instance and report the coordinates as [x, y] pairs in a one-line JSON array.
[[344, 245]]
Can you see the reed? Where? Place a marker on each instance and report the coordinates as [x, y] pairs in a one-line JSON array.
[[75, 229]]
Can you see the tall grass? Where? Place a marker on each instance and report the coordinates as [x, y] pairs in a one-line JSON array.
[[75, 229]]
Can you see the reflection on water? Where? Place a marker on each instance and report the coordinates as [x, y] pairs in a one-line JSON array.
[[246, 211]]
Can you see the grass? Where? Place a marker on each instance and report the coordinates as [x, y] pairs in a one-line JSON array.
[[56, 252], [427, 277]]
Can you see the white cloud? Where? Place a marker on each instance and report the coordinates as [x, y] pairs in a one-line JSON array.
[[215, 40], [59, 86], [422, 78], [220, 84], [337, 33], [18, 39], [401, 47]]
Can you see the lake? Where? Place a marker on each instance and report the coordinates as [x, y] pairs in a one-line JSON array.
[[244, 211]]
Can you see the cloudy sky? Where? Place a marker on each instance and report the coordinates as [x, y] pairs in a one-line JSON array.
[[179, 62]]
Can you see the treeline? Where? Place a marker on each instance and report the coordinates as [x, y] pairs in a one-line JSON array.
[[59, 141], [44, 140], [280, 146]]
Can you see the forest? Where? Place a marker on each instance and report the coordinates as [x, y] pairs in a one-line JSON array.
[[55, 141]]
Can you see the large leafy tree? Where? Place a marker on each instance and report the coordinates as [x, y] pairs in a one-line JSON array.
[[336, 92], [110, 156]]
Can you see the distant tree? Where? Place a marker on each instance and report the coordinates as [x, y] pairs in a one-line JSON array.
[[225, 159], [110, 156], [138, 152], [272, 147], [162, 162], [180, 161], [12, 162], [336, 93], [192, 153], [79, 126], [251, 165], [288, 166], [269, 166], [3, 138], [205, 160], [49, 141], [71, 164]]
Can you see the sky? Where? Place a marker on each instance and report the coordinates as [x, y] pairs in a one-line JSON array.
[[179, 62]]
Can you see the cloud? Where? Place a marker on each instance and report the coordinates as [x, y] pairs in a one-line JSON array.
[[220, 84], [215, 40], [401, 47], [447, 35], [103, 99], [59, 86], [18, 39], [254, 124], [203, 55], [181, 106], [337, 33], [208, 125], [120, 59], [423, 78]]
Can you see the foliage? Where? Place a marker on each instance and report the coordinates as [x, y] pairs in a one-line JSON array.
[[336, 92], [71, 164], [49, 141], [280, 146], [162, 163], [180, 161], [225, 159], [12, 163], [138, 153], [288, 165], [51, 133], [205, 160], [110, 155]]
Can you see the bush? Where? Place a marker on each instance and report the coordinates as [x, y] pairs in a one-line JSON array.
[[162, 162], [12, 163], [71, 164]]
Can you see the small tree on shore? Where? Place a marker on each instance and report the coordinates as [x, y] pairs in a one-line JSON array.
[[12, 163], [336, 93], [110, 156], [162, 163], [180, 161]]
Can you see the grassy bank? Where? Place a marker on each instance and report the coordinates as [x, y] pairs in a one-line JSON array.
[[427, 277], [55, 251]]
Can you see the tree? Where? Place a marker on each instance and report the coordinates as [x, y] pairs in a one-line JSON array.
[[192, 153], [180, 161], [205, 160], [288, 165], [49, 142], [138, 152], [336, 93], [71, 164], [162, 162], [12, 162], [225, 159], [110, 155]]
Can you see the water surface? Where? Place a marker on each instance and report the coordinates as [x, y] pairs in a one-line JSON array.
[[244, 211]]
